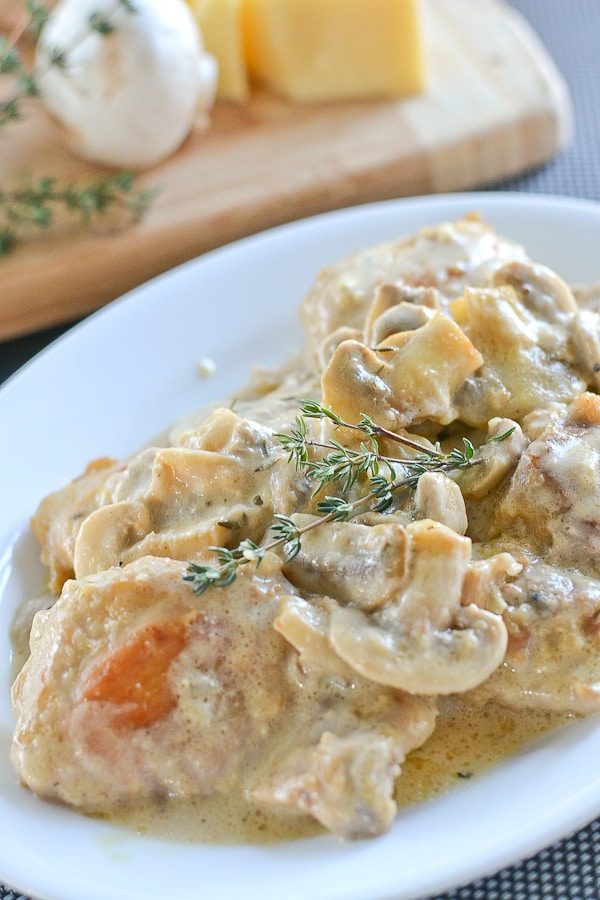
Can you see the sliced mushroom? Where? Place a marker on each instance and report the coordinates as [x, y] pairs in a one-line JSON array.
[[107, 533], [217, 489], [528, 362], [426, 642], [413, 377], [496, 459], [446, 257], [304, 625], [540, 289], [332, 342], [356, 564], [438, 497], [485, 578], [403, 317], [399, 307]]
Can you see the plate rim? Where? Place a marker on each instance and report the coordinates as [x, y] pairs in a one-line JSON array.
[[249, 245]]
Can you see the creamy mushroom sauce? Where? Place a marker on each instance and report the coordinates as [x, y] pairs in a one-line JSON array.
[[467, 742], [398, 653]]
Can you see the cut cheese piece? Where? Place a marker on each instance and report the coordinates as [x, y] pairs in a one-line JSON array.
[[322, 50], [220, 22]]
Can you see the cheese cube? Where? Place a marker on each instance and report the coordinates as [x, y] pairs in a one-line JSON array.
[[322, 50], [220, 22]]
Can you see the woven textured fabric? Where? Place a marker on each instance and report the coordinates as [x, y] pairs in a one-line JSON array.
[[570, 869], [570, 31]]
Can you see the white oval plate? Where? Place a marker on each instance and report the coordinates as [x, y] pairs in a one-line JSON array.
[[120, 378]]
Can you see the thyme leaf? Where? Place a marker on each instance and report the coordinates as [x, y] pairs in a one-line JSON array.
[[312, 409], [345, 468], [203, 576], [38, 13], [101, 22], [35, 203], [288, 533]]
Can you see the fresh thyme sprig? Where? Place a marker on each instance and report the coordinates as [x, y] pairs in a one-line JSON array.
[[346, 466], [288, 539], [341, 466], [12, 63], [35, 203], [25, 85], [102, 23], [312, 409], [203, 577]]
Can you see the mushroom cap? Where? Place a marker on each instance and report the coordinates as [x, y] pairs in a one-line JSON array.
[[128, 98], [426, 642]]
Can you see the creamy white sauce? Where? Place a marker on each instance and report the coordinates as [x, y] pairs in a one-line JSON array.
[[467, 742]]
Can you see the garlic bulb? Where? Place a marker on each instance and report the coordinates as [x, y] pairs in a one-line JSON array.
[[130, 96]]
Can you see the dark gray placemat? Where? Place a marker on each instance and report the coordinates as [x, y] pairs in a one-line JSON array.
[[570, 29], [569, 870]]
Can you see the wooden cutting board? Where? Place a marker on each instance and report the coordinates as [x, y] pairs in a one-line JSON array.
[[495, 106]]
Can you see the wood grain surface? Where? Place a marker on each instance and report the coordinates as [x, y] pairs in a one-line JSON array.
[[495, 106]]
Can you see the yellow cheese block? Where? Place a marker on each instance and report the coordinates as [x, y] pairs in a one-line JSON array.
[[220, 22], [311, 50]]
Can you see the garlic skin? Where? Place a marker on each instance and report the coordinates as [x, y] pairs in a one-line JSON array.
[[129, 98]]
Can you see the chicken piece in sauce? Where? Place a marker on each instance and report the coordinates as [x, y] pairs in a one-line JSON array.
[[304, 686], [552, 660], [58, 518], [552, 505], [445, 258], [221, 484], [136, 688]]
